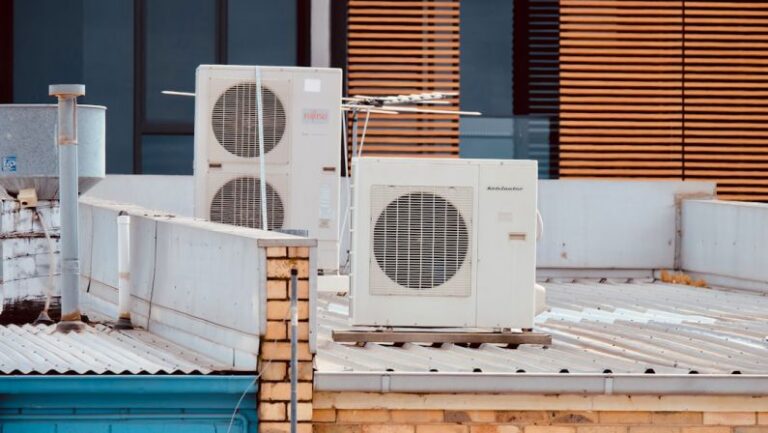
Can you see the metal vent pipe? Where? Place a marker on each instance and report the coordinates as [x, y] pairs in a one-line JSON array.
[[66, 139], [123, 271]]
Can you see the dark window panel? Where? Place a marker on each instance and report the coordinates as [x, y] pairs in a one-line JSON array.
[[6, 51], [486, 57], [47, 47], [108, 74], [167, 154], [180, 35], [262, 32]]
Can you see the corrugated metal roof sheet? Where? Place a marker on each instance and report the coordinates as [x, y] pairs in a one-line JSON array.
[[98, 349], [597, 328]]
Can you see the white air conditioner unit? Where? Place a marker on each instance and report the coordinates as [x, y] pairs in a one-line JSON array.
[[443, 243], [302, 137]]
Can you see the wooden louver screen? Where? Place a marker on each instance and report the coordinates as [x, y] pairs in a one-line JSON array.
[[666, 89], [402, 47]]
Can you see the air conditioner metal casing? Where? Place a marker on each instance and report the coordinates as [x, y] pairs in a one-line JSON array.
[[494, 285], [304, 163]]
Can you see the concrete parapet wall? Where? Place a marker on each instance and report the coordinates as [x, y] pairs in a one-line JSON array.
[[199, 284], [596, 224], [726, 243]]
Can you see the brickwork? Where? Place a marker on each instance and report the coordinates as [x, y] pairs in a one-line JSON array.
[[274, 359], [332, 420]]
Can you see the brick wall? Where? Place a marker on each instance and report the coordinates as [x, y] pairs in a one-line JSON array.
[[274, 359], [385, 419]]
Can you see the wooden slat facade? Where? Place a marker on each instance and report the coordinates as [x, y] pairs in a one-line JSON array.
[[666, 89], [400, 47]]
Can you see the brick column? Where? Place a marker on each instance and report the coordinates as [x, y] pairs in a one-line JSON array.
[[275, 356]]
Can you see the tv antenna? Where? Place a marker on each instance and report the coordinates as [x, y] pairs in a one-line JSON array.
[[395, 104]]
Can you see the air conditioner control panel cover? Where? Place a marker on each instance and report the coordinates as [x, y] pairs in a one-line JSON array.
[[443, 243]]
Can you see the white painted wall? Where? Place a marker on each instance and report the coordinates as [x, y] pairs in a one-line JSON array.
[[726, 243], [25, 258], [172, 194], [198, 284], [589, 224], [597, 224]]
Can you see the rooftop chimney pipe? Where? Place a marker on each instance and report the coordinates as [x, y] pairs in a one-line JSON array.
[[123, 271], [68, 194]]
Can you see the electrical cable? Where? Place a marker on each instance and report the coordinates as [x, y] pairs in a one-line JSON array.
[[362, 139], [259, 372], [349, 191], [51, 261]]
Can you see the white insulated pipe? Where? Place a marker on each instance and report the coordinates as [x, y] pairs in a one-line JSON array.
[[124, 271], [66, 138], [262, 162]]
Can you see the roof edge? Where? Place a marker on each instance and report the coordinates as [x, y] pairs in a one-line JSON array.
[[555, 383], [128, 384]]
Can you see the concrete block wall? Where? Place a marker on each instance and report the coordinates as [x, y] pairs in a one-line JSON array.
[[726, 243], [274, 358], [25, 260], [468, 420]]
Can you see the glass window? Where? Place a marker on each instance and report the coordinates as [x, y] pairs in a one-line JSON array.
[[180, 35], [167, 154]]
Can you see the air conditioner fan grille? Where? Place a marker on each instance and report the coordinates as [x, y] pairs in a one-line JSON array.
[[421, 240], [235, 120], [238, 202]]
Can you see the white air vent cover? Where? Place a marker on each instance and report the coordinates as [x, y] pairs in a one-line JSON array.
[[235, 120], [421, 240], [443, 243], [238, 202]]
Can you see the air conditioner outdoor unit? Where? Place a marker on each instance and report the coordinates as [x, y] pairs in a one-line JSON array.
[[443, 243], [302, 136]]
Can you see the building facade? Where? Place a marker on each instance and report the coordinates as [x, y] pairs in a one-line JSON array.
[[660, 90]]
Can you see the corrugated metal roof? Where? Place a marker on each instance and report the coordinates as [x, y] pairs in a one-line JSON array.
[[98, 349], [597, 328]]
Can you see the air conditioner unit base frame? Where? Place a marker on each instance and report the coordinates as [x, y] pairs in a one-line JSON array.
[[444, 336]]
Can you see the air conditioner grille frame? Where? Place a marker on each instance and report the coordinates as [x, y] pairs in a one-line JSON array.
[[421, 240], [238, 202], [235, 123]]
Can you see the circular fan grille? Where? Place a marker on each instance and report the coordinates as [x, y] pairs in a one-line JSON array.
[[235, 120], [238, 203], [420, 240]]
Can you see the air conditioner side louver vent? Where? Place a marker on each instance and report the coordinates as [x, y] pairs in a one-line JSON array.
[[235, 122], [238, 202], [421, 240]]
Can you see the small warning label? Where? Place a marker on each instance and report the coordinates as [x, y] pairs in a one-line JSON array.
[[9, 163]]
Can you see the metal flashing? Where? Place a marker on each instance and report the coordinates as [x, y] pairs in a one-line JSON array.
[[608, 337]]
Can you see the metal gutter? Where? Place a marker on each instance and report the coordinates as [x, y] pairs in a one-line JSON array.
[[127, 384], [552, 383], [165, 418]]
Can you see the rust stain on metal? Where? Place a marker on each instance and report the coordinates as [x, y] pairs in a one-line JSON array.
[[71, 317], [25, 235], [20, 312]]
